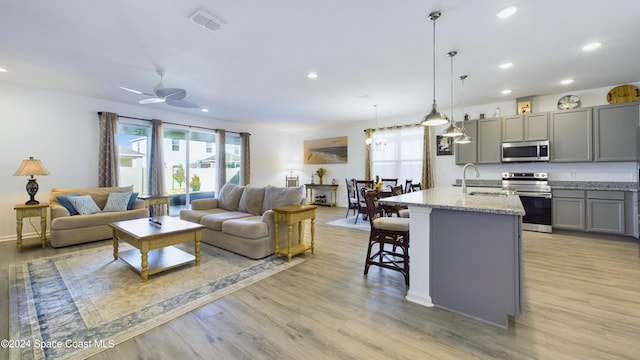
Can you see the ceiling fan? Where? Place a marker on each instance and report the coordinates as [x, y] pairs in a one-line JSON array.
[[161, 94]]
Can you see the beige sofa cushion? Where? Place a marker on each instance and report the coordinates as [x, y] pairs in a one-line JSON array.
[[196, 215], [251, 200], [249, 227], [229, 196], [214, 221], [280, 196]]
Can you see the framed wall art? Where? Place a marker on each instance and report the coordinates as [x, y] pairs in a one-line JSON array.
[[326, 151], [444, 145]]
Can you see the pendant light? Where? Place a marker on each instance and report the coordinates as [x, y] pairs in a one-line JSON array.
[[434, 118], [380, 142], [464, 138], [452, 130]]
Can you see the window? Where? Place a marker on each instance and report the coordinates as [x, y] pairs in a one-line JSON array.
[[402, 157], [175, 145], [232, 156], [133, 147]]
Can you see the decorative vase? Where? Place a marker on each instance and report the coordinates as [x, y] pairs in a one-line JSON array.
[[320, 179]]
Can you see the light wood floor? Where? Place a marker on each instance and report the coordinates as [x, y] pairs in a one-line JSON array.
[[581, 301]]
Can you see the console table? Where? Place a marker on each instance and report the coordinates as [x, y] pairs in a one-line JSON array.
[[150, 200], [332, 189], [23, 211]]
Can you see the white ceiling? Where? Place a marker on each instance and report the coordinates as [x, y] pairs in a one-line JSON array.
[[365, 52]]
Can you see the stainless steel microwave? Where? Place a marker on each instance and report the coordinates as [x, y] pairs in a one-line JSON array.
[[525, 151]]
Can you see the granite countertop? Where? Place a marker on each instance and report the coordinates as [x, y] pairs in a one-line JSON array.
[[594, 185], [452, 198], [562, 185]]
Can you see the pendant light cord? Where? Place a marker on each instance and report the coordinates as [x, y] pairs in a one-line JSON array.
[[434, 62]]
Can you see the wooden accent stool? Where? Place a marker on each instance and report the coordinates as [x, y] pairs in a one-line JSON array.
[[294, 214]]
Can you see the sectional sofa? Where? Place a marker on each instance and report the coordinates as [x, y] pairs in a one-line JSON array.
[[241, 220]]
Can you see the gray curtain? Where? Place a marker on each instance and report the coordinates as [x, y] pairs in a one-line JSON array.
[[427, 170], [108, 150], [245, 154], [221, 159], [156, 160]]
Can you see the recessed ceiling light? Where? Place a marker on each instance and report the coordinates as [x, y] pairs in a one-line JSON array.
[[506, 91], [592, 46], [3, 70], [566, 81], [506, 12], [312, 75], [506, 65], [204, 110]]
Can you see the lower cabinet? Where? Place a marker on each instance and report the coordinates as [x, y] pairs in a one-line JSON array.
[[609, 212], [568, 210], [605, 212]]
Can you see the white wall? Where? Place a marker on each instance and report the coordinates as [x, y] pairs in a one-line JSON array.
[[62, 131]]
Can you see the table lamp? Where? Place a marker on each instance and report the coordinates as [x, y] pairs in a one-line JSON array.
[[31, 167]]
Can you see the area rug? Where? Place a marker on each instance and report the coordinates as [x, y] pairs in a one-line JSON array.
[[348, 222], [75, 305]]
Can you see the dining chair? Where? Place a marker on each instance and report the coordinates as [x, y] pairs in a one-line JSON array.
[[390, 210], [352, 198], [361, 187], [416, 187], [407, 185], [388, 240], [389, 182]]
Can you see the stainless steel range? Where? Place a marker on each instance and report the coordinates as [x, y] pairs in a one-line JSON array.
[[535, 194]]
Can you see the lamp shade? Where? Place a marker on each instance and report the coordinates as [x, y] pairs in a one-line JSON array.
[[30, 167]]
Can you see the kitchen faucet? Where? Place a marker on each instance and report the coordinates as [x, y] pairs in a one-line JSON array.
[[464, 176]]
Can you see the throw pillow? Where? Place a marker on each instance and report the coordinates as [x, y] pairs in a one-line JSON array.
[[229, 196], [251, 200], [132, 200], [117, 201], [84, 204], [64, 201], [278, 196]]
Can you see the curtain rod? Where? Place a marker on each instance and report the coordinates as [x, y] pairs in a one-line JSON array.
[[170, 123]]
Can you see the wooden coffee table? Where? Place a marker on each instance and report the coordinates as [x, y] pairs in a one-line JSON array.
[[153, 241]]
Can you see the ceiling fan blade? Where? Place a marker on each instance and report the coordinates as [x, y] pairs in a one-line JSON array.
[[135, 91], [173, 93], [182, 103], [154, 100]]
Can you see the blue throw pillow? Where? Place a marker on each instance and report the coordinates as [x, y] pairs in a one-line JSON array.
[[132, 200], [64, 201]]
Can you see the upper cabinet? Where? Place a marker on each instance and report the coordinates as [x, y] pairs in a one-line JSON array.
[[468, 153], [614, 129], [571, 135], [525, 127], [489, 141]]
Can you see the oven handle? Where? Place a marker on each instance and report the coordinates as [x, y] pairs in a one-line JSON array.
[[537, 195]]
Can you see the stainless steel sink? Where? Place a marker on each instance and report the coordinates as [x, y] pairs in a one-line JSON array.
[[490, 193]]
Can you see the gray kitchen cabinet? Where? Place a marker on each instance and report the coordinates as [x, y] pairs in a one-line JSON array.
[[525, 127], [571, 135], [606, 212], [468, 153], [569, 210], [614, 128], [489, 141], [602, 211]]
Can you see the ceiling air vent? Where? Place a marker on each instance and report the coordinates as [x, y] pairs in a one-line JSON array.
[[207, 21]]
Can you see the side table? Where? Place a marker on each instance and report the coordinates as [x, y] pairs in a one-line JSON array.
[[150, 200], [332, 189], [294, 214], [23, 211]]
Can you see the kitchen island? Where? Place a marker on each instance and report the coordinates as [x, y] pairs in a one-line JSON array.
[[465, 251]]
